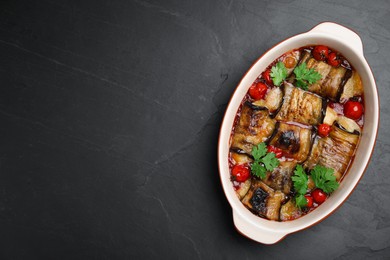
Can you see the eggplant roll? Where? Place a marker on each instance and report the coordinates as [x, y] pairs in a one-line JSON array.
[[254, 127], [263, 200], [280, 177], [331, 83], [295, 141], [300, 106], [334, 151]]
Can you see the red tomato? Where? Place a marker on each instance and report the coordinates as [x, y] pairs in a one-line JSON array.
[[277, 151], [290, 62], [320, 52], [309, 200], [319, 196], [240, 172], [334, 60], [353, 109], [258, 90], [267, 76], [324, 129]]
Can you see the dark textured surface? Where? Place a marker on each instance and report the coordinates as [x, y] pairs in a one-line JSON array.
[[110, 115]]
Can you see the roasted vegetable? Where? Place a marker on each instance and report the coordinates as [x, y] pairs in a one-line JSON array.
[[272, 100], [243, 188], [263, 200], [348, 124], [333, 78], [241, 158], [295, 141], [300, 106], [289, 211], [254, 127], [332, 87], [334, 151], [280, 177], [353, 87], [330, 116]]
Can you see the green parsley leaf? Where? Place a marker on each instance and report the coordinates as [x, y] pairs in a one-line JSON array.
[[278, 73], [300, 201], [301, 84], [258, 170], [300, 180], [270, 161], [259, 151], [324, 178], [303, 76], [263, 162]]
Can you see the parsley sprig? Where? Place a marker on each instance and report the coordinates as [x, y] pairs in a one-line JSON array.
[[303, 76], [263, 162], [300, 185], [324, 178], [278, 73], [300, 180]]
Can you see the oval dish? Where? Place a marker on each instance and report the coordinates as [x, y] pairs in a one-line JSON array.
[[350, 45]]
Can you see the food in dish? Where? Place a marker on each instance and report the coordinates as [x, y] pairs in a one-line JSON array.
[[296, 133]]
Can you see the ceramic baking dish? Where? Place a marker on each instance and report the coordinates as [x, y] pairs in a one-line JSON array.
[[350, 45]]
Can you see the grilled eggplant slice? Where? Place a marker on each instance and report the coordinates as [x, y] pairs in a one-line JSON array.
[[323, 69], [280, 177], [254, 127], [243, 189], [241, 158], [306, 55], [330, 116], [263, 200], [273, 205], [289, 211], [334, 151], [272, 100], [295, 141], [353, 87], [332, 87], [300, 106], [332, 82], [348, 124]]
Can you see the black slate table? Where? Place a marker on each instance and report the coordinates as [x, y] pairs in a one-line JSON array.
[[110, 113]]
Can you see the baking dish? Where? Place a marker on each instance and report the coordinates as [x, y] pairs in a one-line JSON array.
[[350, 45]]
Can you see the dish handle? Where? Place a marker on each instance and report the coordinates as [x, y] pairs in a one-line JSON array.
[[341, 32], [255, 232]]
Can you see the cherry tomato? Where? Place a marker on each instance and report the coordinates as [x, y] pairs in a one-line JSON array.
[[267, 76], [324, 129], [320, 52], [334, 60], [277, 151], [319, 196], [289, 62], [258, 90], [240, 172], [353, 109], [309, 200]]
